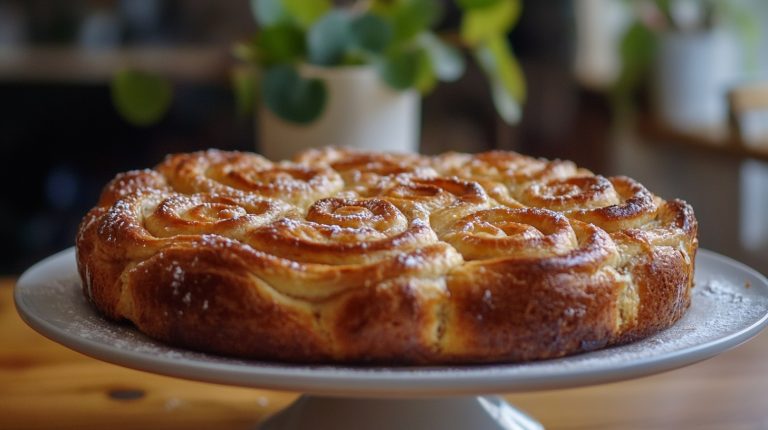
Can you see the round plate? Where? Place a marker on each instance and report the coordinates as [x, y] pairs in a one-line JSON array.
[[730, 305]]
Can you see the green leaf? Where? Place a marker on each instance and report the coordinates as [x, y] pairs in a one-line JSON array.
[[382, 7], [426, 79], [306, 12], [328, 39], [282, 43], [636, 51], [496, 58], [447, 62], [400, 69], [292, 97], [481, 24], [268, 12], [505, 76], [247, 51], [244, 86], [507, 107], [476, 4], [141, 98], [638, 46], [371, 33], [411, 17]]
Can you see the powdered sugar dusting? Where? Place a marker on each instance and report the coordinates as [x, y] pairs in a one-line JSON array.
[[411, 260], [178, 277], [720, 290]]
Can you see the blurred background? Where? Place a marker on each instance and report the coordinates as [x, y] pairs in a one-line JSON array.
[[672, 95]]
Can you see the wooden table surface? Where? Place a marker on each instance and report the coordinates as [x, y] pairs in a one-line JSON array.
[[44, 385]]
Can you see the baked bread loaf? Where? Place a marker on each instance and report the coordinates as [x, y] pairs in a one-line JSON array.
[[351, 257]]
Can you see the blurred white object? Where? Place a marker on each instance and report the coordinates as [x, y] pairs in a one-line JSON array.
[[754, 128], [688, 15], [693, 73], [599, 26], [361, 112], [749, 109], [754, 205]]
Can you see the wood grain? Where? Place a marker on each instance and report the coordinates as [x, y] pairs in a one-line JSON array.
[[44, 385]]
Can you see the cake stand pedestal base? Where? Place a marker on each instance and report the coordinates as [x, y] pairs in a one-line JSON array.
[[450, 413]]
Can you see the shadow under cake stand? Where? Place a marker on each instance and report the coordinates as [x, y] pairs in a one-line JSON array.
[[730, 306]]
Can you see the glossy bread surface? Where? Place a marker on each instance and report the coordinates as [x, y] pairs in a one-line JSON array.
[[342, 256]]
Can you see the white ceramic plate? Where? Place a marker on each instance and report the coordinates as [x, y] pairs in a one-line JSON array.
[[730, 305]]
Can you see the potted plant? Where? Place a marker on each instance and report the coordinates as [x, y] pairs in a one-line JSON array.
[[695, 52], [353, 74]]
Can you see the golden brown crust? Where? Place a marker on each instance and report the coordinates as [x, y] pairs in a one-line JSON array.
[[344, 256]]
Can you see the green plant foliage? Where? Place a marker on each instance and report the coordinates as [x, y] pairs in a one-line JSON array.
[[411, 17], [268, 12], [640, 42], [636, 51], [426, 78], [506, 76], [141, 98], [476, 4], [328, 39], [507, 107], [396, 37], [480, 24], [292, 97], [247, 51], [447, 62], [400, 68], [507, 69], [370, 33], [306, 12], [282, 43], [244, 86]]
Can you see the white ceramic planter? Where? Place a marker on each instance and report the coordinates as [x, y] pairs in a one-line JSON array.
[[693, 73], [361, 112]]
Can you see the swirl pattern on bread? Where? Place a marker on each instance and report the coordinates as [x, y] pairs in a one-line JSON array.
[[356, 257]]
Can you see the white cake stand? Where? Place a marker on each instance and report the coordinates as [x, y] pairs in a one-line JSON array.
[[730, 306]]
